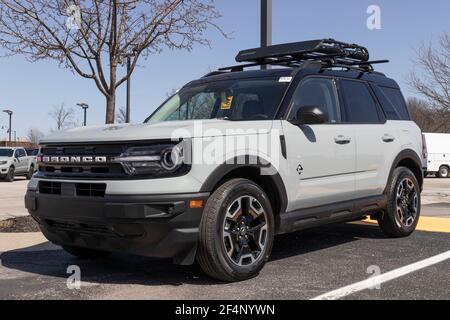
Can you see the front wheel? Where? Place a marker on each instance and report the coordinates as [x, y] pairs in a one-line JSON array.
[[10, 175], [403, 208], [443, 172], [30, 173], [236, 231]]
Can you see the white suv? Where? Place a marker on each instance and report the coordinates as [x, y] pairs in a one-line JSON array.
[[235, 158]]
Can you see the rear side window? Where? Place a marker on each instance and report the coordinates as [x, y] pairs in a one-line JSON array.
[[360, 106], [395, 98]]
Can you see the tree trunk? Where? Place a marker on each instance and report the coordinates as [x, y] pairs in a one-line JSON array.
[[111, 97], [110, 107]]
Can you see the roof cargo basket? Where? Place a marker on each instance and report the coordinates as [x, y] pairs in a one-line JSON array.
[[329, 52], [305, 50]]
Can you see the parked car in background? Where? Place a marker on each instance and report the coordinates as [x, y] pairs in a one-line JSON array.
[[438, 149], [16, 162]]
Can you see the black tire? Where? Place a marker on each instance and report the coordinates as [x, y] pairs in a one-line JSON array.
[[443, 172], [85, 253], [212, 254], [30, 173], [10, 175], [401, 206]]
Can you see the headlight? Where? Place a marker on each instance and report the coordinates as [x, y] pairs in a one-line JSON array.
[[3, 162], [156, 160]]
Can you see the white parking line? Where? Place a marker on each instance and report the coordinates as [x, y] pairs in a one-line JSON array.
[[376, 280]]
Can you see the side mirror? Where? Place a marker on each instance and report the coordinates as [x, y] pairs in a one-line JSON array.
[[310, 115]]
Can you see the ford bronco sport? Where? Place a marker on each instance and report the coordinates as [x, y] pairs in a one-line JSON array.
[[235, 158]]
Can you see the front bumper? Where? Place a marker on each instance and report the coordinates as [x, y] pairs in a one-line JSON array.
[[154, 225], [4, 170]]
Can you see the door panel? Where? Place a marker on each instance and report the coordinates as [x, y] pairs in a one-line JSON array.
[[376, 145], [321, 170], [321, 157], [22, 163], [377, 140]]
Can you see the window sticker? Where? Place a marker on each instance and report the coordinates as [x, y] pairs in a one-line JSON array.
[[226, 105], [285, 79]]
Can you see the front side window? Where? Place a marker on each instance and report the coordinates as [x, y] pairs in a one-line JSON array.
[[240, 99], [359, 102], [20, 153], [317, 92]]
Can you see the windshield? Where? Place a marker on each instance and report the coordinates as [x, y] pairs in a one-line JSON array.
[[240, 99], [6, 152]]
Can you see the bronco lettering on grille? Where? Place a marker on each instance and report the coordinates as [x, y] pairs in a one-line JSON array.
[[74, 159]]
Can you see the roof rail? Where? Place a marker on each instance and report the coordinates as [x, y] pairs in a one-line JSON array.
[[329, 52]]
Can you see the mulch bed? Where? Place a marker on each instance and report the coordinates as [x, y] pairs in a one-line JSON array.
[[21, 224]]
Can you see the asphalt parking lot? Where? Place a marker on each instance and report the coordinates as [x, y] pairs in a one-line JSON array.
[[304, 265]]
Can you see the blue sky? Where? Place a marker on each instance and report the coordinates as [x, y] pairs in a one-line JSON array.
[[32, 89]]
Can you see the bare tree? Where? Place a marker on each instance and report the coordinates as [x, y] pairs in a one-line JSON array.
[[34, 135], [121, 115], [95, 37], [433, 81], [429, 119], [63, 116]]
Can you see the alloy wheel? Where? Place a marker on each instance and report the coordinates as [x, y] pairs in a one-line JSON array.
[[245, 231], [407, 203]]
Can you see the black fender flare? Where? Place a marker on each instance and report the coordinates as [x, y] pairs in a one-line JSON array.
[[248, 162], [407, 154]]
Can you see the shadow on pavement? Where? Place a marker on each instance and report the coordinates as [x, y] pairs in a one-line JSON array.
[[128, 269]]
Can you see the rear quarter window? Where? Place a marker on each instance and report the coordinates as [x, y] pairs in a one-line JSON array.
[[393, 103]]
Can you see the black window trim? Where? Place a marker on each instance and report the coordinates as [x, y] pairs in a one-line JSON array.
[[382, 118], [316, 76]]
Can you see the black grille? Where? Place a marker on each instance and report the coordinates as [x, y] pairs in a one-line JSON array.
[[80, 227], [50, 187], [91, 189]]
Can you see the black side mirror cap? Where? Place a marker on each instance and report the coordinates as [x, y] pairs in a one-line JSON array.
[[310, 115]]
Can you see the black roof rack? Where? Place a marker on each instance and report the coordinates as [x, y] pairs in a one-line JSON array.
[[329, 52]]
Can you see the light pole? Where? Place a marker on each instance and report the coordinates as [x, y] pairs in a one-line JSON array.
[[85, 106], [266, 25], [10, 113]]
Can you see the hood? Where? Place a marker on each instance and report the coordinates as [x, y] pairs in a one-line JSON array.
[[158, 131], [5, 158]]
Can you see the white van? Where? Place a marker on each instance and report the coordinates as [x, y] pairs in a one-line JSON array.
[[438, 148]]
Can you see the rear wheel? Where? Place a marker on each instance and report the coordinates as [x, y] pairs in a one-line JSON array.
[[403, 209], [85, 253], [236, 231], [443, 172], [30, 173], [10, 175]]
